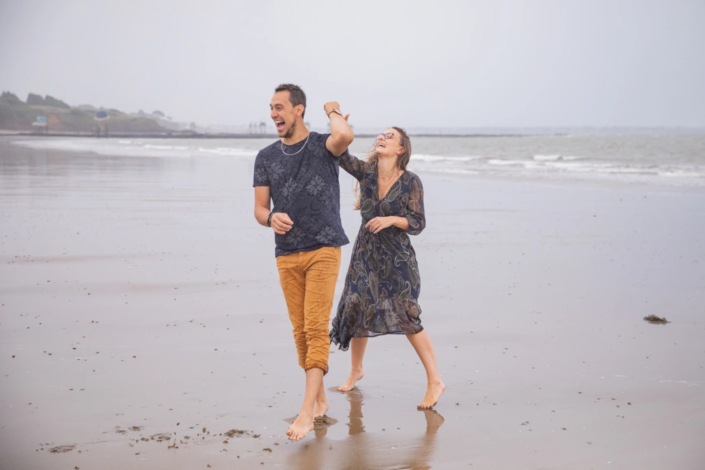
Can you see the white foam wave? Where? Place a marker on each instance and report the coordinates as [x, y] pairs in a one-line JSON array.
[[442, 169], [545, 158], [443, 158], [682, 174], [548, 158], [230, 151], [599, 168], [497, 161], [166, 147], [132, 148]]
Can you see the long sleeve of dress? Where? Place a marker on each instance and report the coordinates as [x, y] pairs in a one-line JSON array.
[[415, 214], [353, 165]]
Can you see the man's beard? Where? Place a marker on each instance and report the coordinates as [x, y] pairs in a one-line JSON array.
[[291, 131]]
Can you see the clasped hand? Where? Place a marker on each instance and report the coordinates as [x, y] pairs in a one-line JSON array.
[[378, 224], [281, 223]]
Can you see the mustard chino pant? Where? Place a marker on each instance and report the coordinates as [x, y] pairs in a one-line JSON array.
[[308, 281]]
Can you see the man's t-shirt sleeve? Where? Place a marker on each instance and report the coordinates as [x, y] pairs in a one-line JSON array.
[[261, 175], [324, 139]]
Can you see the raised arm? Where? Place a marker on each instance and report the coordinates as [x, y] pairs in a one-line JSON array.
[[353, 165], [341, 134]]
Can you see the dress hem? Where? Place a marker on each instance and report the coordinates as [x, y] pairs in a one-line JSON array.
[[345, 345]]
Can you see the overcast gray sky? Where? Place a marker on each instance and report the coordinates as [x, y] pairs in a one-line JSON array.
[[411, 63]]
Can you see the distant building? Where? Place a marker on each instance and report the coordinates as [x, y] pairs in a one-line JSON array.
[[39, 126], [101, 125]]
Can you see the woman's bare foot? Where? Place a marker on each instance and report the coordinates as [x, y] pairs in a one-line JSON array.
[[349, 384], [433, 394], [301, 427]]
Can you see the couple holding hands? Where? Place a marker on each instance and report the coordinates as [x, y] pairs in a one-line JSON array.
[[299, 175]]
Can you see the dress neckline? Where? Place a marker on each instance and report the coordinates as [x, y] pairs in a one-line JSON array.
[[381, 198]]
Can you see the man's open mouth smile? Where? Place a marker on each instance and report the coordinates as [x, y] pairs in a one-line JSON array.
[[280, 125]]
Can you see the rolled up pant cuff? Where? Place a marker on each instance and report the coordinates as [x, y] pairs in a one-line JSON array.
[[323, 367]]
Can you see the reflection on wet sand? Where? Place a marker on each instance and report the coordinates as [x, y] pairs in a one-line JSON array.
[[356, 399], [364, 451]]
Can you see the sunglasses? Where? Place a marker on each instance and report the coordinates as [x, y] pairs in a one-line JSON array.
[[388, 135]]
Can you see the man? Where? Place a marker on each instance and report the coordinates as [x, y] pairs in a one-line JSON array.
[[299, 173]]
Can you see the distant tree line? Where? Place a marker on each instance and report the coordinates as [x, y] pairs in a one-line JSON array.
[[16, 114], [48, 100]]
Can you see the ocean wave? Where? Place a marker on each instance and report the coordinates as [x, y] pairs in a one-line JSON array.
[[133, 148], [682, 174], [548, 158], [166, 147], [443, 158], [230, 151], [509, 164], [497, 161], [598, 167], [644, 165]]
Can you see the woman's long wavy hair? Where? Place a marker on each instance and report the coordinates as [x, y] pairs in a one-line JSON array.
[[402, 160]]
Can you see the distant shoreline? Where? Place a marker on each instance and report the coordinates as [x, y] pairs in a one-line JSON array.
[[482, 133], [231, 136]]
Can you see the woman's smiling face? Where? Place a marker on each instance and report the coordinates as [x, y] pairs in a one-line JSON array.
[[387, 144]]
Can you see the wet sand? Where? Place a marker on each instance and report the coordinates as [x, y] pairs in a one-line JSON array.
[[140, 302]]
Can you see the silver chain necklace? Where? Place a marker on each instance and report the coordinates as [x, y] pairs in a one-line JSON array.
[[281, 144]]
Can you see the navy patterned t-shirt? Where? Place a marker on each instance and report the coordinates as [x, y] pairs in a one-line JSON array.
[[305, 187]]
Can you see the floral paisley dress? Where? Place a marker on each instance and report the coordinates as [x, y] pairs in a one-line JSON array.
[[382, 285]]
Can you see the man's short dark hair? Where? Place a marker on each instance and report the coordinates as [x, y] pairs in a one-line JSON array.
[[296, 95]]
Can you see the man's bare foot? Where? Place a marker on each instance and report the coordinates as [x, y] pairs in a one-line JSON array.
[[301, 427], [349, 384], [433, 393], [320, 410]]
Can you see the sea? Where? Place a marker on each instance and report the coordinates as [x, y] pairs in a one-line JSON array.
[[673, 157]]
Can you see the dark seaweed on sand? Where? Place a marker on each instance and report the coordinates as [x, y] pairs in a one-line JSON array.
[[654, 320], [61, 449]]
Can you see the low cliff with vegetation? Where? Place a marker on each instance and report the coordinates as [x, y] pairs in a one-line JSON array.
[[18, 115]]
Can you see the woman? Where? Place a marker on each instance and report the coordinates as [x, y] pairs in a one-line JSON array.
[[382, 285]]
